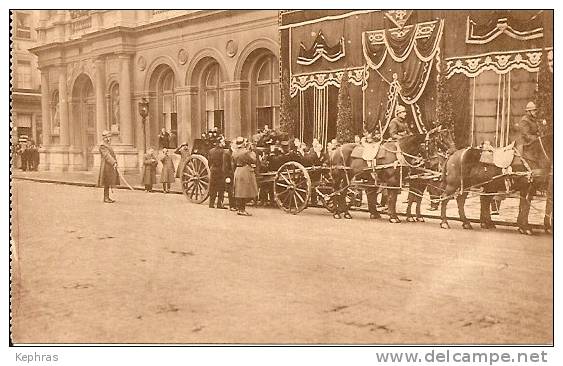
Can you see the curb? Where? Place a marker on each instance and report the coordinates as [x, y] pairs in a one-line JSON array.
[[89, 185], [360, 209]]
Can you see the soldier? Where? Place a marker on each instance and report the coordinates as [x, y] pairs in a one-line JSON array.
[[339, 178], [217, 174], [108, 176], [245, 186], [228, 170], [184, 152], [528, 127], [167, 174], [149, 170], [398, 127]]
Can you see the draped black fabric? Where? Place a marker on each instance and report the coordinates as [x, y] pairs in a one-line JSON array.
[[459, 87], [320, 48], [400, 45]]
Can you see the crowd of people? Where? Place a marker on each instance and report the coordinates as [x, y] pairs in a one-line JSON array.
[[26, 155]]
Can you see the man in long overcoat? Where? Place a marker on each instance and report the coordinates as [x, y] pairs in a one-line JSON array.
[[184, 152], [217, 174], [167, 174], [108, 176], [149, 170], [244, 180]]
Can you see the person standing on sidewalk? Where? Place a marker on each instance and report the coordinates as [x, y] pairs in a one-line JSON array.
[[184, 152], [244, 179], [167, 173], [217, 175], [229, 170], [149, 170], [108, 176]]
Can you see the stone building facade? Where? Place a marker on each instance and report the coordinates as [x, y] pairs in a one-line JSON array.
[[26, 114], [197, 68]]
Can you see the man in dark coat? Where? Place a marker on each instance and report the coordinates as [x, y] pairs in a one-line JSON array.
[[217, 174], [398, 127], [24, 153], [528, 128], [229, 171], [340, 181], [163, 139], [108, 166]]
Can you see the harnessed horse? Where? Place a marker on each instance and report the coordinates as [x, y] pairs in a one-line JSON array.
[[464, 170], [393, 158]]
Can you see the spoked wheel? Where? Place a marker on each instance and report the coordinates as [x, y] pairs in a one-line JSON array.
[[195, 179], [292, 187], [353, 198]]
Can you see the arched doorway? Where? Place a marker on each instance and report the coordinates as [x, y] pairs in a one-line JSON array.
[[83, 112], [162, 105], [261, 70]]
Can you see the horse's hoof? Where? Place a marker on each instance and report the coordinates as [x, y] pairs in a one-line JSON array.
[[420, 219], [548, 230], [487, 225], [467, 225], [394, 220], [444, 225], [374, 216], [529, 232], [410, 219]]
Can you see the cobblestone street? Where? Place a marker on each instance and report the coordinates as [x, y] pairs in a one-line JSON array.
[[156, 268]]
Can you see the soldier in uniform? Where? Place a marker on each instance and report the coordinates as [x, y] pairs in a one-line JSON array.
[[528, 128], [167, 176], [228, 170], [184, 152], [245, 186], [217, 174], [338, 172], [398, 127], [108, 176], [149, 170]]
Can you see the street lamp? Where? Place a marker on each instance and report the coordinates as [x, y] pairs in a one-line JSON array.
[[144, 112]]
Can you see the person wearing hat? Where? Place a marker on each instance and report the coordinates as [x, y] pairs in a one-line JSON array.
[[229, 171], [245, 187], [217, 174], [184, 152], [149, 170], [398, 127], [108, 176], [528, 127], [167, 174]]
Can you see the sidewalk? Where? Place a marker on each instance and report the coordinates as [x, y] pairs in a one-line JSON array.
[[508, 212]]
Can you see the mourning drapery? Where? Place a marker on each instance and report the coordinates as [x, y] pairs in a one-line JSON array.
[[402, 62]]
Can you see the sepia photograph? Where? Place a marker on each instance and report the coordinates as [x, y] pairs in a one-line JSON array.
[[282, 177]]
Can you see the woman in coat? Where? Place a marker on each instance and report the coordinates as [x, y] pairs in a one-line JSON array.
[[167, 173], [149, 170], [245, 186], [184, 151]]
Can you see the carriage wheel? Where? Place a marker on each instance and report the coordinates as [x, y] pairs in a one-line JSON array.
[[292, 187], [353, 199], [195, 179]]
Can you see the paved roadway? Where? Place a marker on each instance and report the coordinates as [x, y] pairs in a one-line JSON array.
[[155, 268]]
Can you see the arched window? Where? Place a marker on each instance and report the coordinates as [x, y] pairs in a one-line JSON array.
[[55, 114], [114, 108], [167, 101], [214, 108], [267, 89]]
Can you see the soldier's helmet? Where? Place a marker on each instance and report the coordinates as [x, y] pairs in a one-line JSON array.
[[531, 106], [399, 109]]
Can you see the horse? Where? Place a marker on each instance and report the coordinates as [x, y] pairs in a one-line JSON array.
[[390, 175], [463, 170], [435, 154]]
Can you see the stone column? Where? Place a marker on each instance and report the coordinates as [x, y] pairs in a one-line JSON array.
[[235, 99], [126, 127], [63, 107], [45, 108], [100, 98]]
